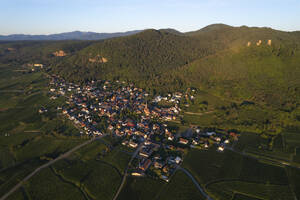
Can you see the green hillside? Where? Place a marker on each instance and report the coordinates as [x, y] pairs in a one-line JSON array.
[[152, 53], [37, 51], [142, 56], [263, 74], [235, 64], [224, 36]]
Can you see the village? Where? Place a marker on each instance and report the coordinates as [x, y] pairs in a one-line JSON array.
[[132, 115]]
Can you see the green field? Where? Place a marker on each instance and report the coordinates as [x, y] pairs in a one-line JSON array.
[[228, 173], [46, 185], [96, 179], [294, 175], [141, 188], [27, 138], [254, 90], [227, 189], [180, 187]]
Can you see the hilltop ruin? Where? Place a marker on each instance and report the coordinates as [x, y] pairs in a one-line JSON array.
[[59, 53], [259, 42]]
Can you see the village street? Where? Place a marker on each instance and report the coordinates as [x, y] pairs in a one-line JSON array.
[[195, 182], [125, 173]]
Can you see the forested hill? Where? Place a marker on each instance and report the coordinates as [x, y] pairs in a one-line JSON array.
[[257, 64], [150, 53], [236, 37], [142, 56]]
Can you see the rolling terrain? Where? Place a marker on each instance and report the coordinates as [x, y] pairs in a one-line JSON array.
[[75, 35], [241, 85]]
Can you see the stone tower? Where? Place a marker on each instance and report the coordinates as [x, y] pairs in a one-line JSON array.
[[258, 43]]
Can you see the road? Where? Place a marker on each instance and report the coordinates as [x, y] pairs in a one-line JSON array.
[[195, 182], [284, 163], [126, 170], [11, 91], [65, 155], [199, 114]]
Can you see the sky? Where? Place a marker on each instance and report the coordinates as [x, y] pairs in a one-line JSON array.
[[56, 16]]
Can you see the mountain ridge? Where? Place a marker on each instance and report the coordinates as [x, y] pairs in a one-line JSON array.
[[90, 35], [74, 35]]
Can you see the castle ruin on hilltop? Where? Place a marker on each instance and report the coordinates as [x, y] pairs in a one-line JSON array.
[[259, 42]]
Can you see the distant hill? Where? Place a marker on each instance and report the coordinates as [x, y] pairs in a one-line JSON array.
[[75, 35], [209, 28], [170, 30]]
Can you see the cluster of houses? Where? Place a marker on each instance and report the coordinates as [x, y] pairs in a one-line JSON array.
[[206, 139], [176, 98], [122, 109], [163, 156], [154, 156], [112, 101]]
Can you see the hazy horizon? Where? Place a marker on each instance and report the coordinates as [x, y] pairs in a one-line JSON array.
[[145, 29], [45, 17]]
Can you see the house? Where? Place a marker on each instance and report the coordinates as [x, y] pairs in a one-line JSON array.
[[130, 124], [110, 127], [119, 133], [158, 165], [221, 148], [259, 43], [97, 133], [169, 118], [183, 141], [171, 138], [158, 99], [137, 174], [38, 65], [195, 142], [269, 42], [145, 165], [165, 169], [165, 178], [155, 127], [146, 111], [42, 110], [234, 135], [146, 152], [171, 147], [206, 145], [59, 53], [148, 142], [210, 133], [167, 132], [178, 159], [133, 144]]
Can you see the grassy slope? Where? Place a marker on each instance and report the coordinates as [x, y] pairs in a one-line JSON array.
[[228, 173], [253, 73]]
